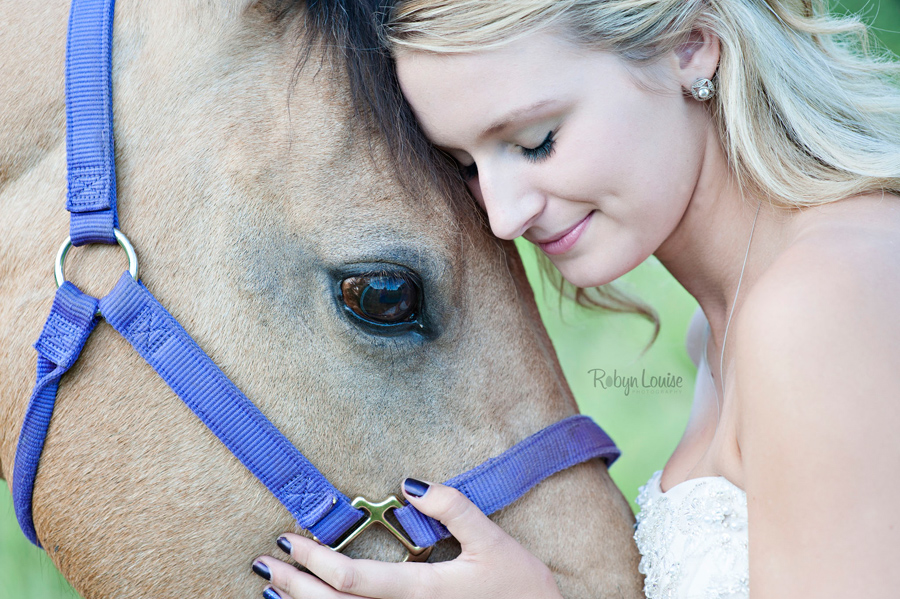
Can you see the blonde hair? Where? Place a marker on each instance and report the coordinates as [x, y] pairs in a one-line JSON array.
[[807, 112]]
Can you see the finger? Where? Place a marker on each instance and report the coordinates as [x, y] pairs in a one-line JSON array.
[[475, 532], [271, 592], [289, 582], [369, 578]]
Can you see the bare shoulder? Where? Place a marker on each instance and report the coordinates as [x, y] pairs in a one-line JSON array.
[[853, 243], [824, 314], [817, 377], [844, 266]]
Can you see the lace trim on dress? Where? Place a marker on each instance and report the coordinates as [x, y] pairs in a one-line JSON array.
[[693, 539]]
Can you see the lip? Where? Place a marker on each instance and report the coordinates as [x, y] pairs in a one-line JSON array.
[[563, 242]]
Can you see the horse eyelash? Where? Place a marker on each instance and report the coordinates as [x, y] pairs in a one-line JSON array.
[[542, 151]]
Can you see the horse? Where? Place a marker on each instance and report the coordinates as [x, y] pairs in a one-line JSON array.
[[256, 178]]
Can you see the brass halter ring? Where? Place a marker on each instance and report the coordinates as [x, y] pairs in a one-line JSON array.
[[375, 514], [59, 270]]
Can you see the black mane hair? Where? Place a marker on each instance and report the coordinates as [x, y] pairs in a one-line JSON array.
[[348, 33]]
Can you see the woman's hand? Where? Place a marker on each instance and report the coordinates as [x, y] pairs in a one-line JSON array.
[[492, 564]]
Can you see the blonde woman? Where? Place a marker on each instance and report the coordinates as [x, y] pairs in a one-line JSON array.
[[753, 147]]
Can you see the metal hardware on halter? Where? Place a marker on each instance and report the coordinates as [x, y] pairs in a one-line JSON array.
[[59, 270], [376, 514], [316, 504]]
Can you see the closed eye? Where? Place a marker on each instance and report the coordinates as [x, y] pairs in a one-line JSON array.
[[540, 152]]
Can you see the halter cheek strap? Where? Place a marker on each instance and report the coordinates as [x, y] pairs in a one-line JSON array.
[[72, 318], [130, 308], [90, 158]]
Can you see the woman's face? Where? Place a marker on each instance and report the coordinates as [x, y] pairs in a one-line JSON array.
[[571, 151]]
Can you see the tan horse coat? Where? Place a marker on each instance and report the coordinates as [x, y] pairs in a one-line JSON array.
[[246, 203]]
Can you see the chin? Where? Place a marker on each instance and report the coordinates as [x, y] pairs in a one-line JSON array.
[[589, 270], [584, 277]]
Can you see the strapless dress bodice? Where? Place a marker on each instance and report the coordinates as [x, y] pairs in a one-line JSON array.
[[693, 539]]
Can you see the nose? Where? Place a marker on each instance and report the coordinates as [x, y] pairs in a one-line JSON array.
[[511, 203]]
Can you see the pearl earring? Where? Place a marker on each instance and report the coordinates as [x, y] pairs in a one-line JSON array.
[[703, 89]]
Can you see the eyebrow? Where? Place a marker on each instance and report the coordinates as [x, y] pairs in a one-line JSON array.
[[514, 115]]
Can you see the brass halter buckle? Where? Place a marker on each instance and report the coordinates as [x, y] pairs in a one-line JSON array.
[[376, 513]]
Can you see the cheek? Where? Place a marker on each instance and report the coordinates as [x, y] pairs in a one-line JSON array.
[[636, 142], [635, 162], [593, 165]]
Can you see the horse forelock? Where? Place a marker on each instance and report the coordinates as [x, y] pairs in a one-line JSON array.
[[347, 33], [244, 237]]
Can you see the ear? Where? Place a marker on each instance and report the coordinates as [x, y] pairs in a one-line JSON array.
[[698, 57]]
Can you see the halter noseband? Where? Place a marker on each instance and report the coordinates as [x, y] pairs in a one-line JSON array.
[[132, 311]]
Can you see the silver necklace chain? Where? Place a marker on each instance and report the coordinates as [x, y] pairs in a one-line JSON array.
[[725, 337]]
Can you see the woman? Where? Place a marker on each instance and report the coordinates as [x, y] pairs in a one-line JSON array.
[[755, 151]]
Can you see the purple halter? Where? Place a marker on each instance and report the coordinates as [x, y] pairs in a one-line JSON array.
[[132, 311]]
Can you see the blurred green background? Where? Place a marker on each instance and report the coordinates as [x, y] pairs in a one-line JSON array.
[[646, 426]]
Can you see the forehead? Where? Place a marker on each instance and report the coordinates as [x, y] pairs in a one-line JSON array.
[[455, 96]]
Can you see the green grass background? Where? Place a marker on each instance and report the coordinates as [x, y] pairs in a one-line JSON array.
[[646, 426]]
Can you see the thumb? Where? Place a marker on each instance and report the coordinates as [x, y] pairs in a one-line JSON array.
[[465, 521]]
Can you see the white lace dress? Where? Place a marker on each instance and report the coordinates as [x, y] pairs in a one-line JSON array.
[[693, 539]]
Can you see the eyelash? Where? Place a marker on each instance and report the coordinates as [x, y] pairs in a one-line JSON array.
[[542, 151]]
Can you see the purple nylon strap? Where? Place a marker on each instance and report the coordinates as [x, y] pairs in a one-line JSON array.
[[72, 318], [235, 420], [313, 501], [501, 480], [250, 436], [91, 197]]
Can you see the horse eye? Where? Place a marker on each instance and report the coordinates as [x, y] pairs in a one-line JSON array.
[[381, 298]]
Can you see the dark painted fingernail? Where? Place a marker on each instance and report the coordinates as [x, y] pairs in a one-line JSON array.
[[262, 570], [270, 593], [284, 545], [414, 487]]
